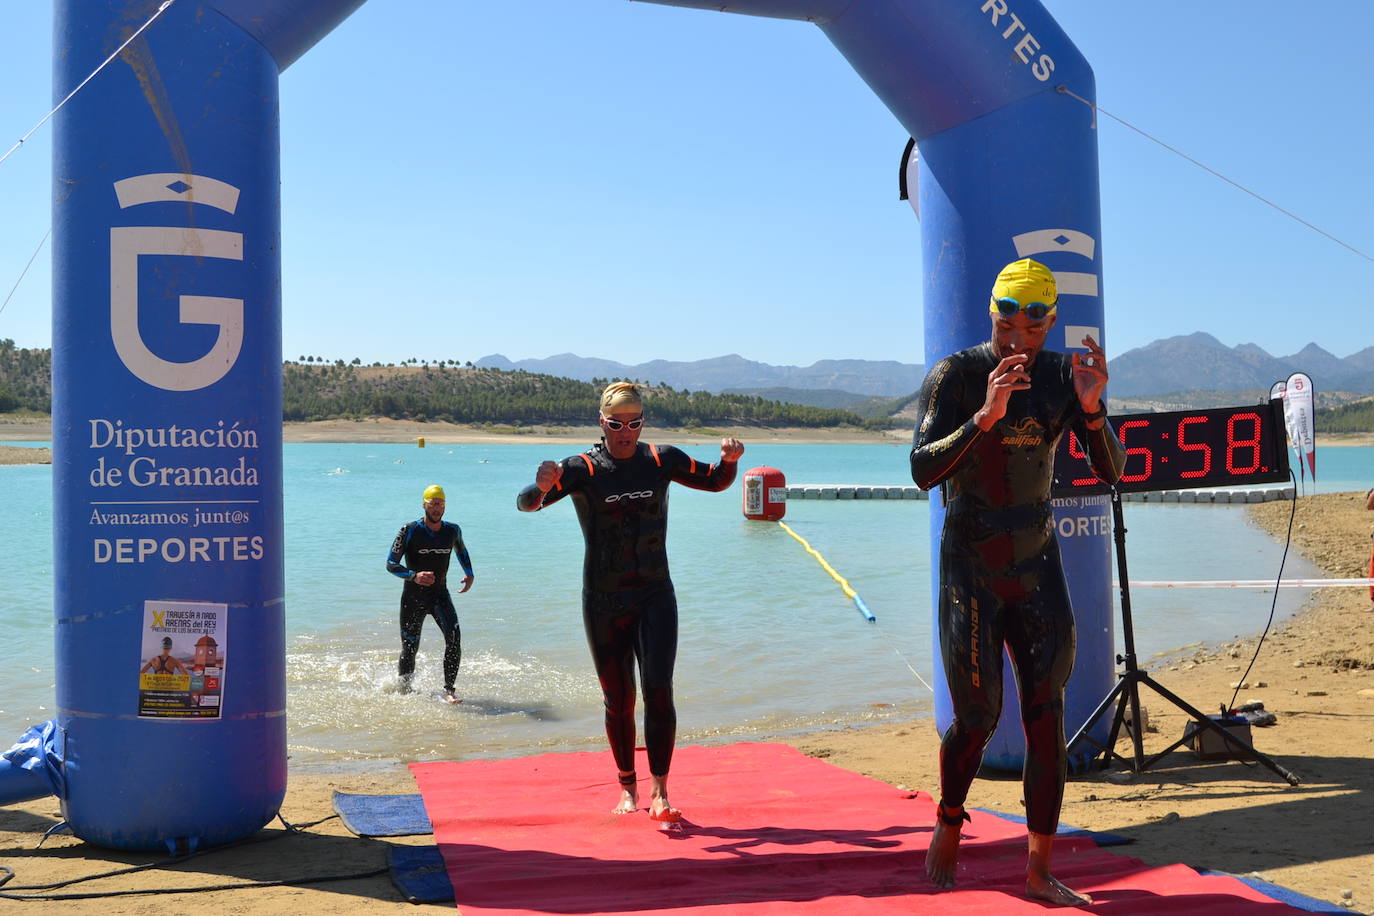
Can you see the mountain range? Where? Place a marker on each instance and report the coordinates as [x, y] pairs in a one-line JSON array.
[[1199, 361], [1195, 362], [870, 378]]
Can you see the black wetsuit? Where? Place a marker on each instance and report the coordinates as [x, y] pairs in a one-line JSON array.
[[1001, 580], [418, 549], [628, 605]]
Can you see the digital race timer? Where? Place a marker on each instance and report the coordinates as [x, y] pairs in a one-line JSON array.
[[1183, 449]]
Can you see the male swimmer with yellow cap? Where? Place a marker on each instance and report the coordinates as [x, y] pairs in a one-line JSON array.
[[420, 555], [620, 490], [990, 418]]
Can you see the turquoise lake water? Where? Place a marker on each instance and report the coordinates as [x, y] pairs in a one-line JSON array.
[[769, 646]]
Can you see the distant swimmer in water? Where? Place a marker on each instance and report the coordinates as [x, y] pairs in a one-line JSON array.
[[629, 609], [420, 555], [988, 421], [165, 663]]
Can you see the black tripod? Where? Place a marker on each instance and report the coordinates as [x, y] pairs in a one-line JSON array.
[[1126, 690]]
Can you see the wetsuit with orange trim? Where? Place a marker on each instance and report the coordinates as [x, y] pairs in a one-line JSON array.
[[629, 608], [1001, 580]]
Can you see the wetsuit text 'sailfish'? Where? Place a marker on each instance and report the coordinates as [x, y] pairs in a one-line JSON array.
[[418, 549], [629, 608], [1001, 580]]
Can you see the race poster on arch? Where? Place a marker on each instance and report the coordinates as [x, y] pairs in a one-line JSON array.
[[181, 665]]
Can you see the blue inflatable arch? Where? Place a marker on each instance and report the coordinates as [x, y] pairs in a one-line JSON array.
[[167, 360]]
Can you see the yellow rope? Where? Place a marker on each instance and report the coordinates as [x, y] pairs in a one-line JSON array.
[[844, 583]]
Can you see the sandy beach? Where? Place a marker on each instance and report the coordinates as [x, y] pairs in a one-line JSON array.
[[1314, 671]]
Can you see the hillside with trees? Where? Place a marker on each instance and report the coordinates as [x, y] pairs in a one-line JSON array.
[[313, 389], [465, 394], [1356, 417], [25, 379]]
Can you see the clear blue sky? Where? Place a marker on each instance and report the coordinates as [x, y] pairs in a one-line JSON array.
[[632, 181]]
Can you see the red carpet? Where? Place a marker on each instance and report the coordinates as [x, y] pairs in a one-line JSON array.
[[769, 831]]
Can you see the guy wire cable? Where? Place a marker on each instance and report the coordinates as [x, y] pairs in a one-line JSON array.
[[79, 86], [43, 120], [177, 860], [1288, 539], [23, 272], [1065, 90]]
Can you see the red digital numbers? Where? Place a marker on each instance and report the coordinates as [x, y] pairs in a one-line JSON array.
[[1181, 449], [1139, 450], [1233, 444], [1076, 450], [1186, 446]]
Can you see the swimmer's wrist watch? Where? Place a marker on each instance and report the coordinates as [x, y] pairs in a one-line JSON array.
[[1097, 414]]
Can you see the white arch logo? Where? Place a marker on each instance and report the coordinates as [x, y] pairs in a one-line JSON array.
[[127, 243], [1069, 282]]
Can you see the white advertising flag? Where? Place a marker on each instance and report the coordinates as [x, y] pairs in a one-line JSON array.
[[1280, 390], [1298, 393]]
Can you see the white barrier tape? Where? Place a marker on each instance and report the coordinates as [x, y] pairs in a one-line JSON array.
[[1255, 583]]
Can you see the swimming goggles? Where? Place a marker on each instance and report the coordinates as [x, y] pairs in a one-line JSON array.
[[1035, 311], [614, 425]]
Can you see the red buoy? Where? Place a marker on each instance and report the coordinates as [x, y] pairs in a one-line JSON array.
[[765, 494]]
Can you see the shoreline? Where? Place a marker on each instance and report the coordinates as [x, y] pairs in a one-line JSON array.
[[39, 429], [405, 432], [1315, 672]]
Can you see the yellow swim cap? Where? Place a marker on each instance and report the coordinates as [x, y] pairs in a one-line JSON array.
[[620, 397], [434, 491], [1027, 282]]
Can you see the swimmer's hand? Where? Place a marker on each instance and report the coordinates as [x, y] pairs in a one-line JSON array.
[[549, 473], [1090, 375], [467, 584], [731, 449], [1007, 376], [424, 577]]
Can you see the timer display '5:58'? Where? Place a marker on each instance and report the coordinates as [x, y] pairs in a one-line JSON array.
[[1217, 447]]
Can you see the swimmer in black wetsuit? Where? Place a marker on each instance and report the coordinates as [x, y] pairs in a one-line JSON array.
[[420, 555], [620, 491], [990, 419]]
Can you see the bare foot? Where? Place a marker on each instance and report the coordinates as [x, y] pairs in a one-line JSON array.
[[1048, 888], [629, 802], [451, 697], [943, 854], [660, 810], [1040, 884], [629, 794]]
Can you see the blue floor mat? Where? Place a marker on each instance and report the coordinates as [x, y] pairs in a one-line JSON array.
[[1100, 838], [383, 815], [1281, 894], [419, 874]]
